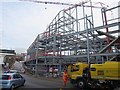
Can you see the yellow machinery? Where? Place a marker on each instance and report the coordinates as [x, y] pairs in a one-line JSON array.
[[96, 75], [106, 71]]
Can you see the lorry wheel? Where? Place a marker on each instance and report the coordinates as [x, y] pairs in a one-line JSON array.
[[81, 83]]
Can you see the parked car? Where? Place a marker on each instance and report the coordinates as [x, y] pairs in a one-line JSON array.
[[11, 71], [11, 80]]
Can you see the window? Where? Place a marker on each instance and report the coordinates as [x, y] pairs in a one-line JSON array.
[[16, 76], [75, 68], [4, 77], [93, 69]]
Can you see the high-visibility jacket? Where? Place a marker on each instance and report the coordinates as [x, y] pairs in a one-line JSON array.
[[65, 76]]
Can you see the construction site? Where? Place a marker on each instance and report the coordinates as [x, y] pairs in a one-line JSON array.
[[80, 33]]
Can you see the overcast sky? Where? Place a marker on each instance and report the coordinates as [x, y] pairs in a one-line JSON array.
[[21, 21]]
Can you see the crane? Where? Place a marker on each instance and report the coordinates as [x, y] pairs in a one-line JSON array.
[[68, 4], [48, 2]]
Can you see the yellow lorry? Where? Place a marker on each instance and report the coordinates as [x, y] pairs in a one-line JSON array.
[[106, 75]]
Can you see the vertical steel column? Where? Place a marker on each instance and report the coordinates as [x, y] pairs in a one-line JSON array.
[[64, 28], [119, 20], [105, 17], [92, 13], [46, 49], [87, 32], [102, 60], [76, 28], [54, 41], [59, 47], [0, 74], [77, 19], [84, 16], [60, 67], [36, 56], [102, 15], [70, 13]]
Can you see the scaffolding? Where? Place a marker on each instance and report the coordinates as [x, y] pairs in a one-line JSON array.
[[76, 34]]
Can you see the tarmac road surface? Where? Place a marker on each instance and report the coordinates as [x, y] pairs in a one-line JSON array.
[[43, 83]]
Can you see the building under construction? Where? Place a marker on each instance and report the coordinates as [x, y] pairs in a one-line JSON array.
[[80, 33]]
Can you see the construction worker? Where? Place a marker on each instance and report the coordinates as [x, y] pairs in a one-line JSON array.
[[65, 77]]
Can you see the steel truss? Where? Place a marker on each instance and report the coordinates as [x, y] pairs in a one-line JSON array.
[[76, 35]]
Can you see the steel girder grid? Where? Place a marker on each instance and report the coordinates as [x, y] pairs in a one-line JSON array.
[[73, 36]]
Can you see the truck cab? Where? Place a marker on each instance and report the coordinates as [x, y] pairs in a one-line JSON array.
[[95, 75], [76, 74]]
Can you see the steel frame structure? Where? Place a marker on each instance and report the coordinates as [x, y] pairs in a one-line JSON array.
[[76, 35]]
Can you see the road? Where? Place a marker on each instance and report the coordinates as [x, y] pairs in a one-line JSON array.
[[44, 83]]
